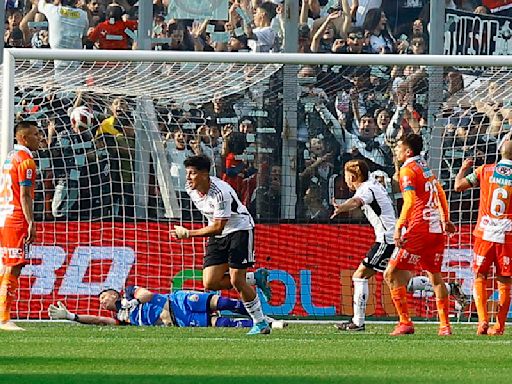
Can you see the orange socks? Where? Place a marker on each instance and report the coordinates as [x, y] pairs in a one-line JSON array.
[[443, 306], [8, 287], [504, 290], [399, 297], [480, 297]]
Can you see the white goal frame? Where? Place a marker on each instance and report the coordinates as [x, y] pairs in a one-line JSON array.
[[11, 55]]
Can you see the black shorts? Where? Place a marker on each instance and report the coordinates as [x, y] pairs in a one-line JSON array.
[[378, 256], [236, 249]]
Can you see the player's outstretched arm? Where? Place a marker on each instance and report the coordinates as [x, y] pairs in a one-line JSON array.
[[461, 181], [346, 206], [60, 312]]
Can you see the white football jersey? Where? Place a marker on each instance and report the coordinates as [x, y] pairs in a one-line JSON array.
[[222, 202], [66, 25], [378, 208]]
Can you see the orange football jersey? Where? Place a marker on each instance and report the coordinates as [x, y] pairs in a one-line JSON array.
[[427, 214], [495, 211], [19, 169]]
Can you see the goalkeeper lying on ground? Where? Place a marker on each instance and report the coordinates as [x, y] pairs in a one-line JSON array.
[[140, 306]]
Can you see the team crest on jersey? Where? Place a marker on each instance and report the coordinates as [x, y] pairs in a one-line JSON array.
[[29, 173], [504, 171], [194, 298]]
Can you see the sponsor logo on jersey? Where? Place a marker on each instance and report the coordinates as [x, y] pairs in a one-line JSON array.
[[65, 12], [504, 171], [194, 298], [29, 173]]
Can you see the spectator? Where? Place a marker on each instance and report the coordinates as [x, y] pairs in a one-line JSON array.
[[376, 23], [324, 37], [67, 24], [262, 37], [111, 34]]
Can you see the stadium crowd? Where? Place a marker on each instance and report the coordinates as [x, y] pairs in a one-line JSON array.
[[344, 113]]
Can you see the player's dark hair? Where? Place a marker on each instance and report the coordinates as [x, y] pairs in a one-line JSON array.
[[200, 162], [413, 142], [359, 168], [110, 290], [24, 124]]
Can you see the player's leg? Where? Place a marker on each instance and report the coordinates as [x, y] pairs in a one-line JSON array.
[[504, 283], [12, 262], [442, 302], [504, 272], [397, 276], [251, 301], [360, 298], [219, 321], [241, 256], [8, 289], [221, 303], [484, 255], [215, 278]]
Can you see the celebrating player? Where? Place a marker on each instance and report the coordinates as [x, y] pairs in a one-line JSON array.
[[17, 226], [231, 237], [426, 217], [493, 240], [374, 201], [141, 307]]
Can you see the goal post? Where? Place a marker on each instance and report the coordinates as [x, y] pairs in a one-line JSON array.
[[109, 193]]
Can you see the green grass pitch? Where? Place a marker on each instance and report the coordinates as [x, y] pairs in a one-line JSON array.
[[71, 353]]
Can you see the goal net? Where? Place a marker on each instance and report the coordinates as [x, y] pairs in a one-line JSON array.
[[111, 178]]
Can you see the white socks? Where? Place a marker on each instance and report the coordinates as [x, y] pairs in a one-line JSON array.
[[254, 310], [360, 299]]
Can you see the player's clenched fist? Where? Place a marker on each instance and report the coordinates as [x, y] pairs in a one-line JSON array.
[[180, 232]]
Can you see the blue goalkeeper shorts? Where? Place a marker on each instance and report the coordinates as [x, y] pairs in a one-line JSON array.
[[191, 309]]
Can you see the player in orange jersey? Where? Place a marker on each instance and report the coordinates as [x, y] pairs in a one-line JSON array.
[[493, 236], [426, 217], [17, 227]]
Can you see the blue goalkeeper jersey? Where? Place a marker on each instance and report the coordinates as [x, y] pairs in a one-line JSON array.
[[188, 308], [149, 313]]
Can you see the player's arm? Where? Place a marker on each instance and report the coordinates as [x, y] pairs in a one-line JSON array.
[[349, 205], [408, 195], [60, 312], [221, 214], [142, 295], [213, 229], [463, 182], [27, 169], [449, 227]]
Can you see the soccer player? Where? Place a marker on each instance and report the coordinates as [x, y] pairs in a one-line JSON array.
[[426, 217], [141, 307], [375, 203], [493, 239], [17, 226], [231, 236]]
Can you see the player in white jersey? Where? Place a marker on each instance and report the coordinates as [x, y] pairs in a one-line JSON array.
[[374, 201], [231, 237]]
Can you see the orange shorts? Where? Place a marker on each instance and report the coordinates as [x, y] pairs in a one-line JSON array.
[[487, 253], [420, 251], [12, 245]]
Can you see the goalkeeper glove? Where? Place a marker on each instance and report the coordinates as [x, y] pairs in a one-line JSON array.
[[181, 232], [127, 306], [60, 311]]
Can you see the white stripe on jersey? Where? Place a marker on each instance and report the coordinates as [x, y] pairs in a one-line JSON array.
[[378, 209], [222, 202]]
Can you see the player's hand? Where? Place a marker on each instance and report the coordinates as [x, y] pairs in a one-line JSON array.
[[466, 164], [60, 312], [180, 232], [127, 306], [336, 206], [31, 236], [397, 238], [450, 228]]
